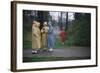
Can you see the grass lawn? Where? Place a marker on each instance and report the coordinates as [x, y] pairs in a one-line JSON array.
[[41, 59], [57, 44], [27, 44]]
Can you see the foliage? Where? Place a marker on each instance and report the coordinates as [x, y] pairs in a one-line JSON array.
[[79, 31]]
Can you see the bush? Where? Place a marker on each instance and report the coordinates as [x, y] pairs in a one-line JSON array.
[[79, 32]]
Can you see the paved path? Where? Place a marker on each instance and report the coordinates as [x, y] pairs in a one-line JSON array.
[[68, 52]]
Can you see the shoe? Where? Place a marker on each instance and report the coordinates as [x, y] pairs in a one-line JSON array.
[[34, 52], [50, 49]]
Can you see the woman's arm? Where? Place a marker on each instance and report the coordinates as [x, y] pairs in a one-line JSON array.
[[34, 32]]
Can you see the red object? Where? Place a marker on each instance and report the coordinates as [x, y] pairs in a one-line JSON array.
[[62, 36]]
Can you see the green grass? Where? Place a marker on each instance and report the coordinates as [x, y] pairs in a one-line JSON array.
[[27, 44], [41, 59], [27, 39], [58, 43]]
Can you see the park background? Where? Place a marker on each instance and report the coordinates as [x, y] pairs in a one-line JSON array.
[[77, 28], [5, 37]]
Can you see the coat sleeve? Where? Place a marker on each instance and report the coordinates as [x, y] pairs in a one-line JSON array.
[[34, 32], [46, 29]]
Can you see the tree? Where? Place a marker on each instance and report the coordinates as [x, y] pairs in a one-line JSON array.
[[42, 17], [80, 30], [66, 21]]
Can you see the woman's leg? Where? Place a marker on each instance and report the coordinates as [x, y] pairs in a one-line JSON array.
[[50, 43]]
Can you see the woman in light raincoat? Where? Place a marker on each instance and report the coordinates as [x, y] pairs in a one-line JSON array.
[[44, 33], [36, 37]]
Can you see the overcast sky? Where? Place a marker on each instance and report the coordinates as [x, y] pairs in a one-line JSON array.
[[55, 15]]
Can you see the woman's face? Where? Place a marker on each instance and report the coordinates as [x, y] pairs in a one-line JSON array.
[[49, 24], [45, 24], [34, 22]]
